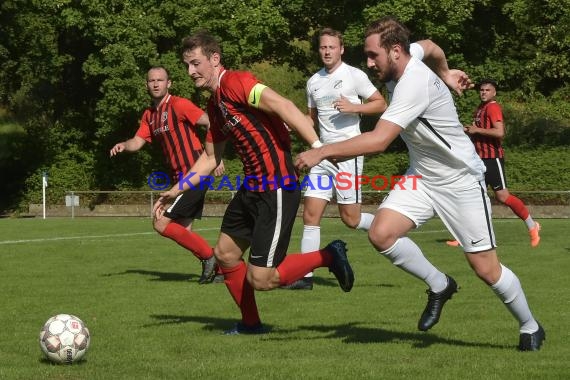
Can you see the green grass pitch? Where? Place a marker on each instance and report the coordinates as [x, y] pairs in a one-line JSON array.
[[149, 319]]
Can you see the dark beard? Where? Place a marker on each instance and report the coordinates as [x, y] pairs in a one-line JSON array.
[[390, 74]]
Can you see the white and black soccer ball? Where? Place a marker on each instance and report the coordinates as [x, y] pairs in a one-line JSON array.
[[64, 339]]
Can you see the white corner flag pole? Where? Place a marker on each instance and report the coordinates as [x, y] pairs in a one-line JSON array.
[[44, 185]]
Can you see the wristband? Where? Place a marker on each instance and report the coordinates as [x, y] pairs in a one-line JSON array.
[[316, 144]]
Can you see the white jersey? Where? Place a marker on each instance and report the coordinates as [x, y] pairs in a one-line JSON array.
[[324, 88], [422, 105]]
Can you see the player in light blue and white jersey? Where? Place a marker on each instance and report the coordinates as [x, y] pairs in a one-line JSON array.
[[422, 112]]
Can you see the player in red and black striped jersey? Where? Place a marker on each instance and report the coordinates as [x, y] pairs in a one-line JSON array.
[[487, 133], [172, 121], [261, 215]]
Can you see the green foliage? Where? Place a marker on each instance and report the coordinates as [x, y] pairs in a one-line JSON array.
[[283, 78], [538, 169], [72, 170], [538, 122], [14, 165], [72, 72]]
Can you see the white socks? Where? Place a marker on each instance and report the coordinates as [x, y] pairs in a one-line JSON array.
[[406, 255], [529, 222], [311, 241], [365, 221], [509, 290]]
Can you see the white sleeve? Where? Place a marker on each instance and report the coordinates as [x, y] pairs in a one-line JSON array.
[[416, 50], [409, 100], [364, 87]]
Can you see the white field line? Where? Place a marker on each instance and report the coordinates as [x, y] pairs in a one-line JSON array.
[[43, 240], [3, 242]]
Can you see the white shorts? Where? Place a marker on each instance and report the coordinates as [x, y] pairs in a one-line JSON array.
[[325, 179], [465, 210]]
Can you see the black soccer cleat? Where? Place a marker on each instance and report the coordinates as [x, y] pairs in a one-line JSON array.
[[241, 329], [532, 342], [305, 283], [209, 268], [433, 309], [340, 266]]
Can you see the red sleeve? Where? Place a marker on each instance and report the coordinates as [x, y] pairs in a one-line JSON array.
[[189, 110], [144, 128], [237, 86], [494, 112]]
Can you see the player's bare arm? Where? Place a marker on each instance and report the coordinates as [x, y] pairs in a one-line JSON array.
[[374, 105], [434, 57], [205, 122], [273, 103], [131, 145], [313, 117], [497, 130], [375, 141], [205, 164]]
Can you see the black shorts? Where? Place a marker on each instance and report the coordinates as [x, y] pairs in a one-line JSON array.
[[188, 205], [265, 220], [495, 174]]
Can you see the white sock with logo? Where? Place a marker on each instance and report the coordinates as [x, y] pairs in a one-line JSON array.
[[311, 241], [405, 254], [365, 221], [510, 291]]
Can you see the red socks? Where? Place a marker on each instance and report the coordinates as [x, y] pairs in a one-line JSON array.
[[297, 265], [292, 268], [189, 240], [517, 206], [242, 293]]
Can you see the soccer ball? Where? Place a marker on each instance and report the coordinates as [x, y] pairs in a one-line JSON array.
[[64, 339]]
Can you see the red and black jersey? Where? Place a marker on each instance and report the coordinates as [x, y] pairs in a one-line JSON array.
[[173, 124], [261, 140], [485, 115]]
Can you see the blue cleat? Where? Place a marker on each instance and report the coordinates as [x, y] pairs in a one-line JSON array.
[[240, 329], [340, 266]]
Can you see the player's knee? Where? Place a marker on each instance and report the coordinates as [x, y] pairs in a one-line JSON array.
[[262, 282], [487, 275], [261, 285], [381, 239], [225, 259], [159, 226], [502, 197], [311, 218]]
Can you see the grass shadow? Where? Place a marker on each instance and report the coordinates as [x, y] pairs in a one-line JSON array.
[[46, 361], [158, 276], [209, 323], [352, 333], [319, 281]]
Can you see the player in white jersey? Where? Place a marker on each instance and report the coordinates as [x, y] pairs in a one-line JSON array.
[[335, 97], [421, 110]]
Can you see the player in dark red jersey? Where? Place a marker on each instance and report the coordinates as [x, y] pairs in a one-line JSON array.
[[172, 121], [487, 133], [261, 215]]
